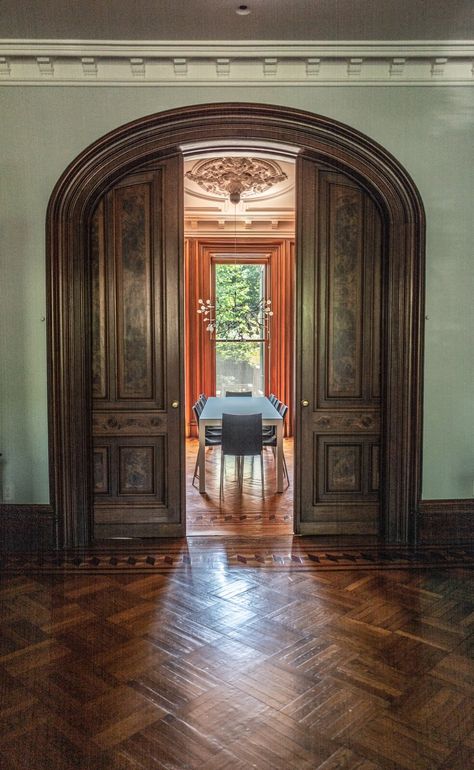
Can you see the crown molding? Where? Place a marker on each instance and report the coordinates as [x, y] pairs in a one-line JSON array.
[[148, 63]]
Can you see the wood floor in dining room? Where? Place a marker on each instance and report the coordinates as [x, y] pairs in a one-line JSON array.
[[243, 512]]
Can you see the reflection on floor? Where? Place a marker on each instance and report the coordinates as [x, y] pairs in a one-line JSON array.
[[239, 513], [218, 667]]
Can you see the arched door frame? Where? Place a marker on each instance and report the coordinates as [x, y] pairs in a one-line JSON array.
[[157, 136]]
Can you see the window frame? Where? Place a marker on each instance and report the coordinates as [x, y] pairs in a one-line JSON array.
[[241, 257]]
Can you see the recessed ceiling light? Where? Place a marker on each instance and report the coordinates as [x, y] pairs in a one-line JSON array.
[[243, 10]]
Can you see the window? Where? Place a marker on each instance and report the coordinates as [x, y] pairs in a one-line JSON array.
[[240, 331]]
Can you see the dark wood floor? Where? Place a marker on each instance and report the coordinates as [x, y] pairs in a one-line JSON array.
[[216, 667], [243, 513]]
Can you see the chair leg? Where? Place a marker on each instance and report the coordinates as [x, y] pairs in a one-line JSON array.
[[221, 485], [263, 478], [285, 469], [196, 476]]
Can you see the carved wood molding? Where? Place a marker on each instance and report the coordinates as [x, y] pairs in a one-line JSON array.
[[157, 136], [127, 423], [181, 63], [337, 422]]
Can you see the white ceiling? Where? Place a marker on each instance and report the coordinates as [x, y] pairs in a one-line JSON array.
[[213, 20]]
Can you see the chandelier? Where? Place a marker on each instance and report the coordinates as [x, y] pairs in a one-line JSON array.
[[236, 177], [253, 320]]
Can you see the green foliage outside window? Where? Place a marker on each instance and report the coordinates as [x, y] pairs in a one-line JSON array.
[[238, 293]]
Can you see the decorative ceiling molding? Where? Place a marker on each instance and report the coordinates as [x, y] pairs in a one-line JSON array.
[[116, 63], [265, 186], [236, 177]]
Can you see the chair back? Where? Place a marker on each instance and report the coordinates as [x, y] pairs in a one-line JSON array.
[[272, 398], [235, 393], [242, 434], [197, 409]]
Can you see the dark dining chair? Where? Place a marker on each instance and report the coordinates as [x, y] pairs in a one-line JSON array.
[[241, 437], [211, 439], [269, 430], [234, 393], [270, 440], [200, 404]]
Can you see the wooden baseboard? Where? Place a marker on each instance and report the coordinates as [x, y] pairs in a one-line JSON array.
[[26, 527], [445, 521]]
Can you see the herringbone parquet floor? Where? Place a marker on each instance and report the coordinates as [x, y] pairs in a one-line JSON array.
[[220, 668]]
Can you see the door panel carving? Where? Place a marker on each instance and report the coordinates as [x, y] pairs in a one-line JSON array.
[[135, 358], [341, 296]]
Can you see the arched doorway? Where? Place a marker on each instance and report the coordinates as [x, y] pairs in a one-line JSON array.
[[327, 150]]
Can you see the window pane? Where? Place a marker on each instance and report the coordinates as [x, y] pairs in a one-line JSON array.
[[240, 366], [239, 307]]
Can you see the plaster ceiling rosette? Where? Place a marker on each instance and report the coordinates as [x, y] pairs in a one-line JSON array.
[[263, 186], [236, 178]]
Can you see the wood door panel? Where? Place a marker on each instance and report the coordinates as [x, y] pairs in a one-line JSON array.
[[362, 520], [134, 291], [100, 379], [340, 274], [137, 473], [342, 470], [136, 357], [374, 468], [127, 256], [132, 470], [101, 470], [345, 469], [348, 283], [340, 305]]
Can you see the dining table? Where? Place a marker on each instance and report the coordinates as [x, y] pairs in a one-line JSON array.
[[211, 415]]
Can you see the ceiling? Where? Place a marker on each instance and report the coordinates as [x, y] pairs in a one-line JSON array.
[[267, 213], [211, 20]]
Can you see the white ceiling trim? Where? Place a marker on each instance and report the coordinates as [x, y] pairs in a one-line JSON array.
[[249, 48], [109, 63]]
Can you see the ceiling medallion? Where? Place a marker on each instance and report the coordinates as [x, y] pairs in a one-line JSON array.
[[236, 177]]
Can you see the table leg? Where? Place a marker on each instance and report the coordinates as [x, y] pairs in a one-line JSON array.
[[202, 458], [279, 455]]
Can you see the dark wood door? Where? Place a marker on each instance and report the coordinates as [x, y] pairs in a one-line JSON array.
[[339, 355], [136, 356]]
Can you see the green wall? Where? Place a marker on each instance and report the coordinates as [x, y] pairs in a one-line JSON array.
[[430, 131]]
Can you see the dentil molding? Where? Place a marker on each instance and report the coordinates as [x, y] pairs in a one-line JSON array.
[[122, 63]]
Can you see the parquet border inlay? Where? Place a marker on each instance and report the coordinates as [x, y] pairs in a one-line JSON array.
[[296, 557]]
